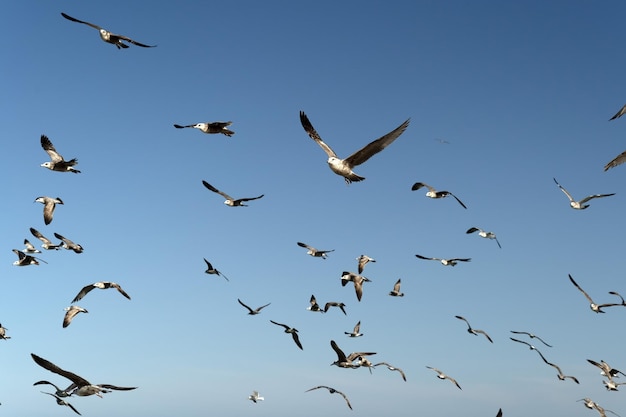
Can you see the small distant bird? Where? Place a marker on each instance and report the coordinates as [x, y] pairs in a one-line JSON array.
[[229, 200], [46, 243], [102, 285], [482, 233], [446, 262], [212, 127], [432, 193], [560, 374], [611, 385], [3, 333], [332, 391], [25, 260], [314, 252], [80, 386], [532, 336], [108, 37], [343, 167], [597, 308], [357, 280], [334, 304], [70, 312], [355, 331], [363, 260], [595, 406], [475, 332], [441, 375], [212, 271], [314, 306], [29, 248], [61, 401], [392, 368], [618, 160], [293, 331], [619, 114], [442, 141], [580, 205], [251, 311], [344, 361], [57, 163], [254, 397], [68, 244], [396, 290], [49, 203]]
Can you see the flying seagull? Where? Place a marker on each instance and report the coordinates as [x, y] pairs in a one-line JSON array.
[[532, 336], [68, 244], [108, 37], [3, 333], [251, 311], [605, 369], [392, 368], [344, 167], [49, 203], [441, 375], [335, 304], [355, 331], [212, 271], [25, 260], [212, 127], [344, 361], [482, 233], [475, 332], [102, 285], [229, 200], [59, 392], [530, 346], [70, 312], [560, 374], [314, 306], [293, 331], [61, 401], [79, 386], [363, 260], [580, 205], [618, 160], [597, 308], [432, 193], [46, 243], [446, 262], [314, 252], [254, 397], [357, 280], [619, 114], [595, 406], [396, 290], [57, 163], [332, 391], [29, 248]]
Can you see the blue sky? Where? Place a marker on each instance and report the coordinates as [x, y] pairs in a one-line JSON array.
[[522, 92]]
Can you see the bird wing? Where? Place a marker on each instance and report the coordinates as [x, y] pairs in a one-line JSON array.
[[376, 146], [357, 327], [465, 320], [80, 21], [461, 259], [296, 339], [83, 292], [618, 160], [428, 259], [341, 357], [109, 386], [21, 255], [520, 341], [454, 381], [318, 387], [249, 198], [29, 246], [134, 42], [345, 398], [584, 200], [310, 130], [396, 287], [541, 340], [419, 185], [215, 190], [69, 315], [569, 196], [249, 309], [580, 289], [119, 289], [304, 245], [484, 333], [457, 199], [620, 113], [499, 413], [182, 127], [47, 146], [262, 307], [48, 211], [39, 236], [280, 324], [473, 229], [79, 381]]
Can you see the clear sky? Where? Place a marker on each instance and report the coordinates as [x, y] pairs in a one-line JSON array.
[[502, 96]]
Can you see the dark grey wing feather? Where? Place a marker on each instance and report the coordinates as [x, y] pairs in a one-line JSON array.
[[80, 21], [215, 190], [376, 146], [310, 130], [79, 381], [83, 292], [618, 160]]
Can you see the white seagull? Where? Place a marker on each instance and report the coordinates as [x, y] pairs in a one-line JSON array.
[[580, 205], [102, 285], [315, 252], [49, 203], [211, 127], [108, 37], [597, 308], [357, 280], [68, 244], [441, 375], [46, 243], [57, 163], [232, 202], [344, 167], [484, 234], [445, 262], [432, 193], [29, 248], [79, 386], [254, 397], [25, 260], [356, 331], [396, 290]]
